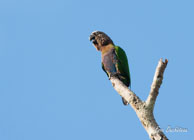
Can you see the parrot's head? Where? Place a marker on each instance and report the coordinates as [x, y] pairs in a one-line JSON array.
[[100, 39]]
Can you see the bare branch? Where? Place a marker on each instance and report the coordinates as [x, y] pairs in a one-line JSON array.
[[144, 110], [126, 93], [157, 81]]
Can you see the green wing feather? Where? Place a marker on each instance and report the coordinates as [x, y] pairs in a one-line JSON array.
[[122, 65]]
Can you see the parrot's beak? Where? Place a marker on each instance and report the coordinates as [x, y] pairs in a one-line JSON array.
[[94, 41], [92, 37]]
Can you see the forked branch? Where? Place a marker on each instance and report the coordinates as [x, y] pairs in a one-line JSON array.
[[144, 110]]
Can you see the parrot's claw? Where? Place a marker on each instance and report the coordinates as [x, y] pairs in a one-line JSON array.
[[112, 75]]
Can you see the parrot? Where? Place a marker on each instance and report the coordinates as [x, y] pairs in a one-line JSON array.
[[114, 59]]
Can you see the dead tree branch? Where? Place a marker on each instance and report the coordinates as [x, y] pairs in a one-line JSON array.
[[144, 110]]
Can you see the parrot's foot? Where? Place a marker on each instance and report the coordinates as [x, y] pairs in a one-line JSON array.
[[112, 75]]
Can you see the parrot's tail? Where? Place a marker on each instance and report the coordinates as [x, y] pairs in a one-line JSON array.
[[124, 101]]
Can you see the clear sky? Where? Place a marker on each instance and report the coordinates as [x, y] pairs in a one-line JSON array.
[[52, 86]]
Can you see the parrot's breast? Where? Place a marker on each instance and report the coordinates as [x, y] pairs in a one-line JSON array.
[[109, 61]]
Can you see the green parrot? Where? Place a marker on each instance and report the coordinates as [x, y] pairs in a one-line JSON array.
[[114, 59]]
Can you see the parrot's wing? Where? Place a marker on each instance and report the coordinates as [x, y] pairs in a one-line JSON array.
[[122, 64]]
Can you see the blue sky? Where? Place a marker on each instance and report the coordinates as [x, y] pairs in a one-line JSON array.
[[51, 83]]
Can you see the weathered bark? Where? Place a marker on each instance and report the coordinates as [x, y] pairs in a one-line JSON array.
[[144, 110]]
